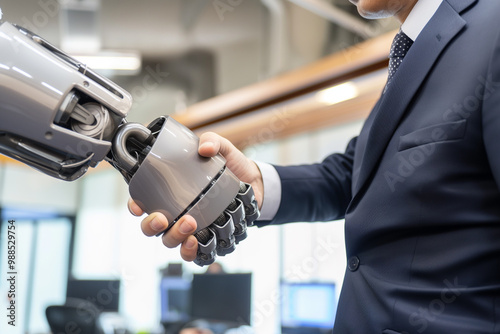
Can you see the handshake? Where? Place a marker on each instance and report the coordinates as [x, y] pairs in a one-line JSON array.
[[60, 117], [201, 238]]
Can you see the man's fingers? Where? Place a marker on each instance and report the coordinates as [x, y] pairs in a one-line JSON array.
[[154, 224], [210, 144], [179, 232], [189, 248], [134, 208]]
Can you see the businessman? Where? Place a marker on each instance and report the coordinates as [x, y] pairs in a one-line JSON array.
[[419, 187]]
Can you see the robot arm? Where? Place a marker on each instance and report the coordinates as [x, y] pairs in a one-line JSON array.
[[60, 117], [56, 115]]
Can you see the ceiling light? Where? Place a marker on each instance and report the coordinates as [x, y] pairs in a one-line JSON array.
[[118, 63]]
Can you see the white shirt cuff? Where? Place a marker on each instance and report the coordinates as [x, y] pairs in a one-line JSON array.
[[272, 191]]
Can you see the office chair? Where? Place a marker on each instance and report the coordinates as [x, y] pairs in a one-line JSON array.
[[75, 316]]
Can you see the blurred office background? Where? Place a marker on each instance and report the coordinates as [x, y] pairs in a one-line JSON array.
[[182, 57]]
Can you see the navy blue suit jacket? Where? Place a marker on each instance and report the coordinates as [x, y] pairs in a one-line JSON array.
[[419, 187]]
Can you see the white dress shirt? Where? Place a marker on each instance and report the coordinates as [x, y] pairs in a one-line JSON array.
[[419, 16]]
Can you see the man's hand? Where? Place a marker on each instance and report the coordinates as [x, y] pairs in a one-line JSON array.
[[196, 331], [181, 233]]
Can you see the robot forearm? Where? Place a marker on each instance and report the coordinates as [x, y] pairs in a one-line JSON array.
[[61, 118]]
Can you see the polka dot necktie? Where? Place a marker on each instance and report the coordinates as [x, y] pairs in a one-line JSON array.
[[400, 46]]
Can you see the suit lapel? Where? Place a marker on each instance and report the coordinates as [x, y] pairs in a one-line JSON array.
[[440, 30]]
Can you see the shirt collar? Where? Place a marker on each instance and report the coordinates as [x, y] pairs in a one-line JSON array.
[[419, 16]]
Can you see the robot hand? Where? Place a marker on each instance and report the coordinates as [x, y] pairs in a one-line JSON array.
[[60, 117], [166, 174]]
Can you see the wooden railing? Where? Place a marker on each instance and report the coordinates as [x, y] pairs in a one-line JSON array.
[[285, 105]]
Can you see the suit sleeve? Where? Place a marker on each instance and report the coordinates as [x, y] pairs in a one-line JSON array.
[[491, 113], [317, 192]]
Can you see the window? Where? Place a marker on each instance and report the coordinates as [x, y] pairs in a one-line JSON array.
[[42, 243]]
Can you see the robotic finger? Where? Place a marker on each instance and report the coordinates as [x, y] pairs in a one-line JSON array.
[[207, 244], [224, 229]]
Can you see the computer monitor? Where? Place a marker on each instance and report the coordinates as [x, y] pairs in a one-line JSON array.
[[105, 294], [308, 307], [175, 299], [221, 297]]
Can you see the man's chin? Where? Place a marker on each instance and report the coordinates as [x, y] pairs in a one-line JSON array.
[[362, 11], [373, 15]]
